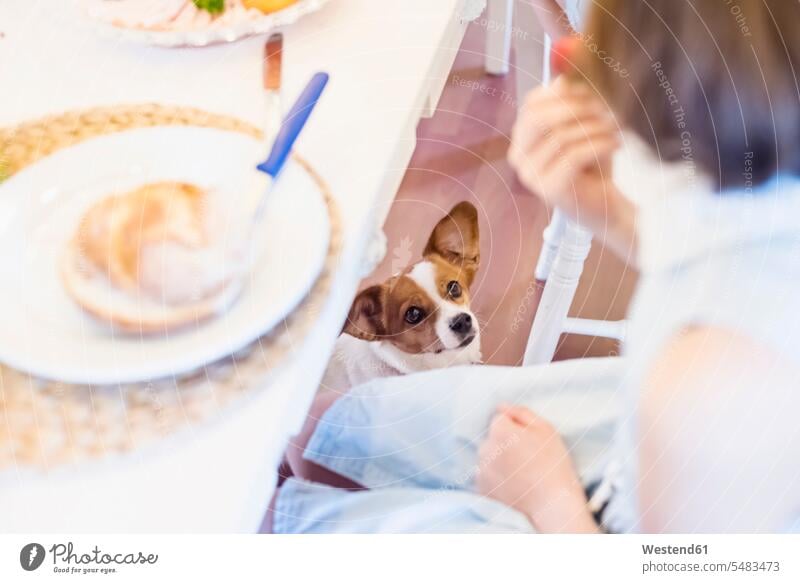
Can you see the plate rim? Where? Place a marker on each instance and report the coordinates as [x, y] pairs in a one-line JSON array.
[[209, 36]]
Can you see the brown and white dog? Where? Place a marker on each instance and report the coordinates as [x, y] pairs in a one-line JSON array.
[[416, 320], [419, 319]]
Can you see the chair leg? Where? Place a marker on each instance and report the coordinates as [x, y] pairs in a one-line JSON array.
[[559, 291], [498, 36], [616, 329], [551, 241]]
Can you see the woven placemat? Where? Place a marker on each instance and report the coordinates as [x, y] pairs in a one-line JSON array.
[[45, 424]]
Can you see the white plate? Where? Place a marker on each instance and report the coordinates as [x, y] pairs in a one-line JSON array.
[[215, 34], [45, 333]]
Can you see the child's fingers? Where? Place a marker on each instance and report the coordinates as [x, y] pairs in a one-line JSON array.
[[560, 93], [519, 415], [580, 157], [531, 129], [503, 426], [589, 154], [529, 134], [539, 119], [570, 105], [560, 143]]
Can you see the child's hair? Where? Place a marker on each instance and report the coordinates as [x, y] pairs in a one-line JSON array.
[[711, 82]]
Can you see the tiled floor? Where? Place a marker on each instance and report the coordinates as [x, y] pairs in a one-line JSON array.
[[460, 155]]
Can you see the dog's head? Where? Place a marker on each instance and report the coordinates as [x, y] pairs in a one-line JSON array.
[[425, 308]]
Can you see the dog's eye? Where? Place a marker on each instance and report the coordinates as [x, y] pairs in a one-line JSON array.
[[414, 315], [454, 290]]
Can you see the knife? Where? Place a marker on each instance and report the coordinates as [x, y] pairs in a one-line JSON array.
[[292, 125], [262, 180], [273, 57]]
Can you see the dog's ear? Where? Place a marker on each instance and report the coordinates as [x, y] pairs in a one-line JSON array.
[[366, 320], [456, 239]]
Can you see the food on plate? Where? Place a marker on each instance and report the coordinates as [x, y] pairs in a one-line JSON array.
[[151, 14], [181, 15], [268, 6], [212, 6], [155, 258]]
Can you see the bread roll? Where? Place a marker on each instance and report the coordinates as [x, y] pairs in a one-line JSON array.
[[153, 259]]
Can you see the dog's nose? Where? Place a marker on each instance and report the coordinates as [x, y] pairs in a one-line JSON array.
[[461, 324]]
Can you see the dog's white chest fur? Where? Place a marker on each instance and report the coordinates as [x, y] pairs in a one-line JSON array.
[[357, 361]]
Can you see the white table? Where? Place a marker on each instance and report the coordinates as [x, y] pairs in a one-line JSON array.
[[388, 63]]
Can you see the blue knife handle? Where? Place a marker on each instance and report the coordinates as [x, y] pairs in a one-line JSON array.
[[293, 124]]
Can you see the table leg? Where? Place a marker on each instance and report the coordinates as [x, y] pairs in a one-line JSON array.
[[499, 21], [531, 46]]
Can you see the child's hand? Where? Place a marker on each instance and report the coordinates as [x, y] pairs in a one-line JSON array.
[[561, 148], [525, 464]]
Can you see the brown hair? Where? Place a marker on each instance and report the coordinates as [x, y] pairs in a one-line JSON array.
[[712, 82]]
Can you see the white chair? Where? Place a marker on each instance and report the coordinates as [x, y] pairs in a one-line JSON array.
[[566, 245]]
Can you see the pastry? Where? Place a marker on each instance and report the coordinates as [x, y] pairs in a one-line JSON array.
[[158, 257]]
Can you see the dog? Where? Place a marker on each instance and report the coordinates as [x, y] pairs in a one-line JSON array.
[[420, 318], [417, 320]]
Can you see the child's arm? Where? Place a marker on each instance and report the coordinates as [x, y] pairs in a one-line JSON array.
[[524, 464], [718, 440]]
